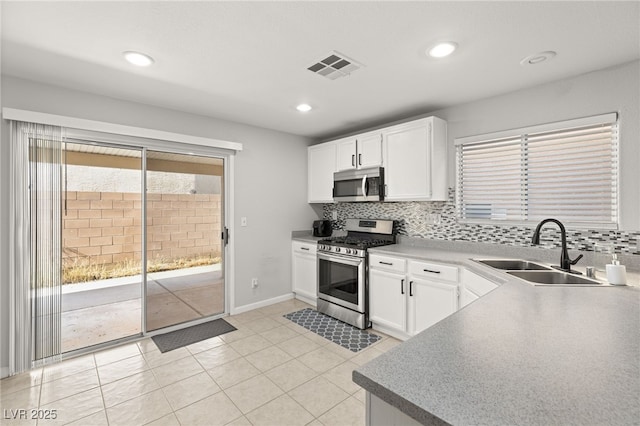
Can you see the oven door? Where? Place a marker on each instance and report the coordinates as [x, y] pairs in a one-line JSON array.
[[341, 280]]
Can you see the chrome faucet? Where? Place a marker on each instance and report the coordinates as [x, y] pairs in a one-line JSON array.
[[565, 260]]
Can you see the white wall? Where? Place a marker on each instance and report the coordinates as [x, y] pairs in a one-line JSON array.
[[270, 183], [614, 89]]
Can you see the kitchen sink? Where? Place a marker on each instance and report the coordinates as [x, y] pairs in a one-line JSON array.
[[512, 264], [553, 278]]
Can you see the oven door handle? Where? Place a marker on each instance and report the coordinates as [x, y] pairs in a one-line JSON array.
[[340, 259]]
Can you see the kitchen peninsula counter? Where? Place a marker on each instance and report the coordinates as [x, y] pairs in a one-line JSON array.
[[520, 355]]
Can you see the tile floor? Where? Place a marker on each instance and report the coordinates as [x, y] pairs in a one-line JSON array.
[[269, 371]]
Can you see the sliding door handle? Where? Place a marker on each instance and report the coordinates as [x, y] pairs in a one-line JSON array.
[[225, 236]]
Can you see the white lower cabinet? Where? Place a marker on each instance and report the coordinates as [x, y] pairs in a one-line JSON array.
[[387, 300], [430, 302], [304, 271], [433, 294], [467, 296], [474, 287], [407, 296]]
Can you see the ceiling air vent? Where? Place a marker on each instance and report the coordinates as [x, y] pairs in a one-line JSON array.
[[334, 66]]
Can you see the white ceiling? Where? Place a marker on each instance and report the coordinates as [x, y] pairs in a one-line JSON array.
[[246, 61]]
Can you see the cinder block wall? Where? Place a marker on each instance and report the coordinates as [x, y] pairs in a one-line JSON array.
[[106, 227]]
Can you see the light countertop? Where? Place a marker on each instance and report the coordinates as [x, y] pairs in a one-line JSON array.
[[522, 354]]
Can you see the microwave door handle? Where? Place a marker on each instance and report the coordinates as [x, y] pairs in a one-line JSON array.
[[364, 186]]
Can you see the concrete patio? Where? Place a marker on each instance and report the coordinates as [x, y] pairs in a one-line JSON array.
[[100, 311]]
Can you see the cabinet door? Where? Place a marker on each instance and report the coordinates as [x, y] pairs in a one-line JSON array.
[[321, 166], [466, 297], [430, 302], [369, 150], [408, 161], [477, 284], [304, 276], [347, 158], [387, 300]]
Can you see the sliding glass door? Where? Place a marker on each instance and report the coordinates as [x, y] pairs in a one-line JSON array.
[[183, 245], [106, 242], [110, 241]]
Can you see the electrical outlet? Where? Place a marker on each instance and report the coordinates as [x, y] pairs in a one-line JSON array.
[[254, 282]]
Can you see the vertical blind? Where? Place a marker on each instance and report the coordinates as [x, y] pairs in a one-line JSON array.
[[36, 233], [566, 170]]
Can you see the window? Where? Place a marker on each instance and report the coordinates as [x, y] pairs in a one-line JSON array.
[[566, 170]]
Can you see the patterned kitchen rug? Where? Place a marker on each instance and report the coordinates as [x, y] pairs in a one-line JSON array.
[[179, 338], [343, 334]]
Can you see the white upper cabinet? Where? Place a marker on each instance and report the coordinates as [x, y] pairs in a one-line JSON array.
[[415, 160], [370, 150], [347, 153], [321, 163], [360, 151], [413, 154]]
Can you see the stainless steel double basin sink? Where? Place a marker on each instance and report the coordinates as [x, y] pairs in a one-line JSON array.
[[538, 274]]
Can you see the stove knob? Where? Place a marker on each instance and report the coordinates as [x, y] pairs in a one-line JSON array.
[[349, 251], [338, 250]]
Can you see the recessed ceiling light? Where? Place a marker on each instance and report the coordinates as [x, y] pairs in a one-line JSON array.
[[304, 107], [539, 57], [443, 49], [138, 59]]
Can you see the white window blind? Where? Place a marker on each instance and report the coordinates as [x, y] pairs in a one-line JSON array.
[[566, 170]]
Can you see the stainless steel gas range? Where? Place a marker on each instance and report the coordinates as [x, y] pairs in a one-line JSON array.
[[343, 291]]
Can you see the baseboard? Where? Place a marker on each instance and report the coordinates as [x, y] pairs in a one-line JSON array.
[[4, 372], [311, 301], [250, 307], [391, 332]]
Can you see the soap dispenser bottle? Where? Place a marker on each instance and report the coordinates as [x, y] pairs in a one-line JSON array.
[[616, 273]]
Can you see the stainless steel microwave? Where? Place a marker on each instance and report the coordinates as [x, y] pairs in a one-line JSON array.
[[359, 185]]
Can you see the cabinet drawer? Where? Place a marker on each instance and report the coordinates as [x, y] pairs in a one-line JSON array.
[[433, 271], [387, 263], [305, 248]]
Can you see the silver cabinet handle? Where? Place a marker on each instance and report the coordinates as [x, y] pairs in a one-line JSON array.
[[431, 272]]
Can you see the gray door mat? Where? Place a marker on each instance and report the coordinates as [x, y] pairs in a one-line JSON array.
[[179, 338], [339, 332]]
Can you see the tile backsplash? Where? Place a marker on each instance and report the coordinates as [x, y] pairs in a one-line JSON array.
[[437, 220]]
